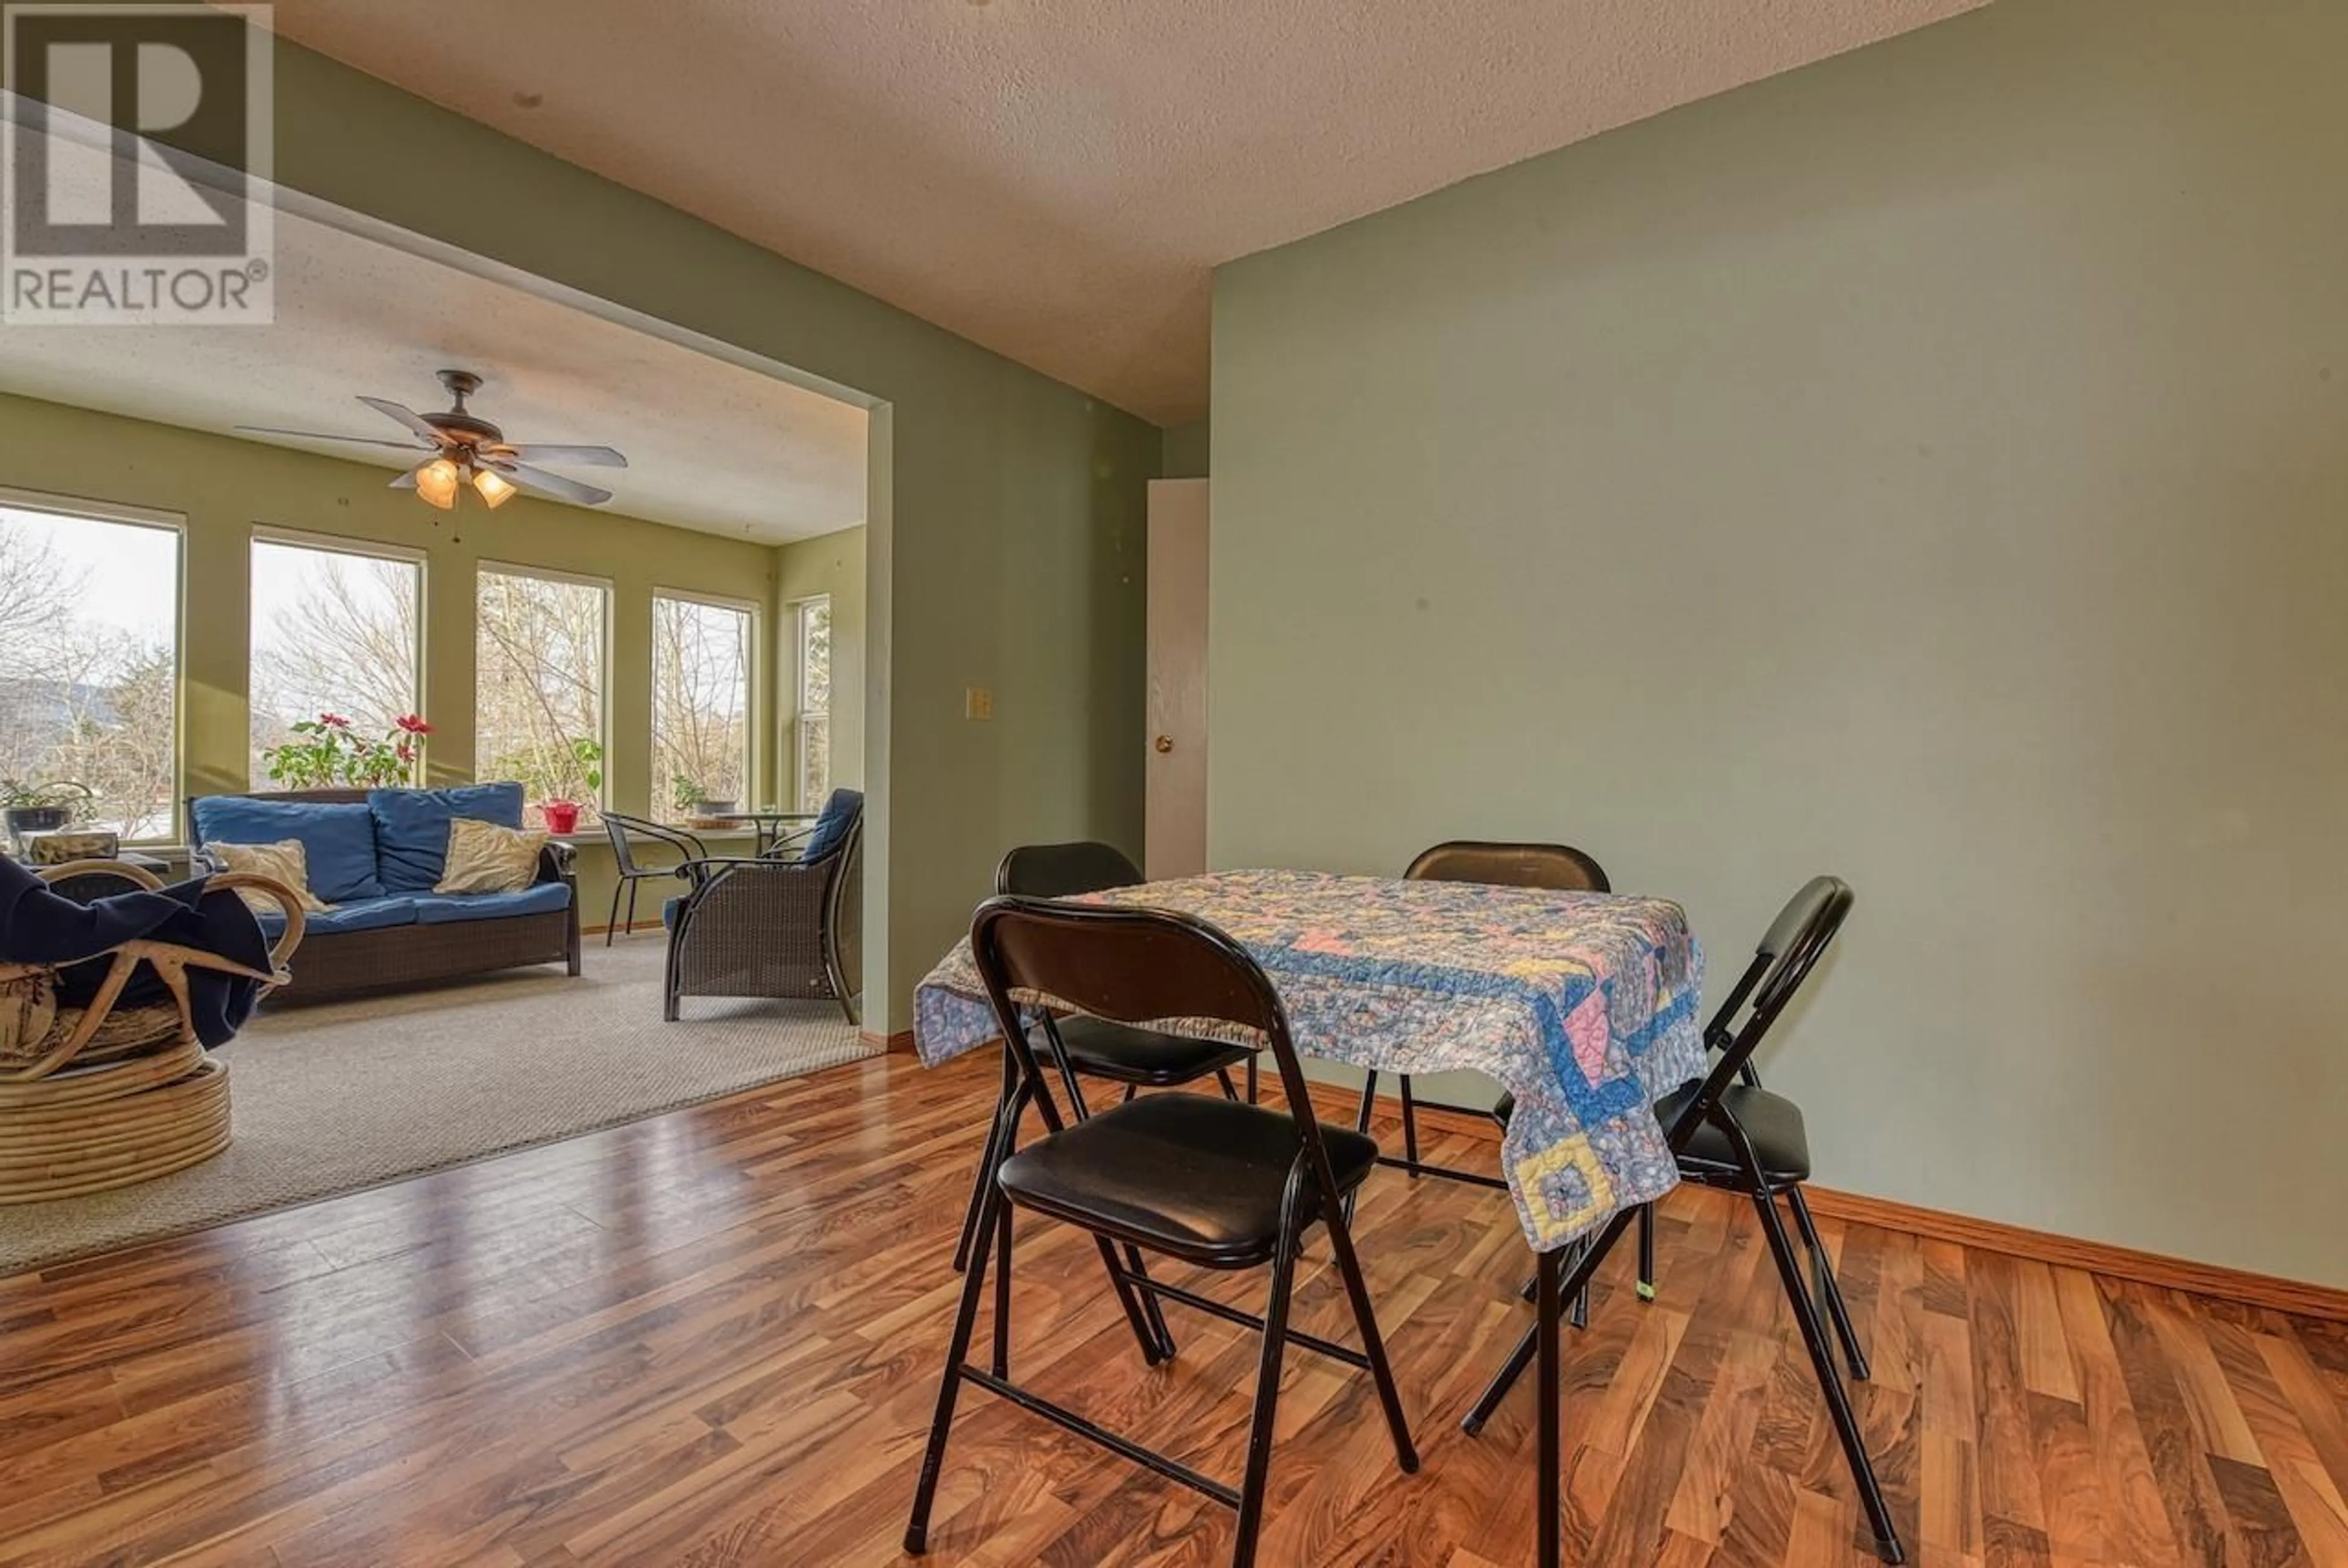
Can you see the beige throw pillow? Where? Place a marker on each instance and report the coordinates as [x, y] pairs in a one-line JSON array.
[[485, 858], [285, 861]]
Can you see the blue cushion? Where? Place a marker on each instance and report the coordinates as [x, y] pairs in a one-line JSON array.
[[337, 840], [411, 827], [831, 827], [362, 915], [669, 910], [447, 909]]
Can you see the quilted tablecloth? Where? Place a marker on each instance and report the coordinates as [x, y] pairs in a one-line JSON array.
[[1585, 1005]]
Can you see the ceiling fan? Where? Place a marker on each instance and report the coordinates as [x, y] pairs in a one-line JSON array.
[[468, 449]]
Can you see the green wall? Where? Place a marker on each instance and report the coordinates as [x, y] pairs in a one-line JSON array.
[[1930, 466], [1183, 451], [224, 488], [1007, 509]]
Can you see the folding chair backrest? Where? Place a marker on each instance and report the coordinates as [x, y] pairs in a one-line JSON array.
[[1134, 966], [1064, 870], [1784, 961], [1557, 866]]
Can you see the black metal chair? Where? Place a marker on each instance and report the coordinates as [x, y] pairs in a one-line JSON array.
[[623, 831], [1090, 1047], [1215, 1183], [1554, 866], [1727, 1132]]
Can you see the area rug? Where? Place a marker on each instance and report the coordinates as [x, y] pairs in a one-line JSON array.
[[329, 1100]]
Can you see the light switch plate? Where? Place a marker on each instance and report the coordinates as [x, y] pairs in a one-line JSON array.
[[977, 703]]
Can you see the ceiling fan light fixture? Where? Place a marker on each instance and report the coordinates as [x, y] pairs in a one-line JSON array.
[[494, 488], [437, 482]]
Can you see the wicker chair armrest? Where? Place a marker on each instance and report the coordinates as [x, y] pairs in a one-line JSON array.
[[138, 876], [297, 921]]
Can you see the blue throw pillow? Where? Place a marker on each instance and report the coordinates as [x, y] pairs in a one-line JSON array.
[[411, 827], [831, 826], [338, 839]]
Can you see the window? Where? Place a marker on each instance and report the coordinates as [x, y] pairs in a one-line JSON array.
[[333, 631], [701, 704], [812, 744], [538, 690], [89, 665]]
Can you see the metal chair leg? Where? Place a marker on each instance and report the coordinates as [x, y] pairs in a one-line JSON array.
[[1827, 1285], [925, 1491], [1001, 1364], [1252, 1076], [1374, 1344], [988, 1161], [1267, 1400], [611, 921], [1577, 1277], [1362, 1124], [1231, 1089], [1814, 1338], [1409, 1129], [1646, 1252]]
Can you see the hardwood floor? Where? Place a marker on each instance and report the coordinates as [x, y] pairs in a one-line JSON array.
[[714, 1339]]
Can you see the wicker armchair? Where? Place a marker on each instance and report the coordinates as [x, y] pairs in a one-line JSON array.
[[107, 1095], [771, 927]]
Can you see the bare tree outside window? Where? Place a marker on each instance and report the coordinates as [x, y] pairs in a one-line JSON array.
[[813, 745], [538, 696], [89, 637], [701, 705], [333, 632]]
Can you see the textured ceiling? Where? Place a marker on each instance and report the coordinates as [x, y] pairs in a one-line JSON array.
[[1055, 178], [710, 446]]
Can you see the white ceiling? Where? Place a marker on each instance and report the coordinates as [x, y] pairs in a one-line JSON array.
[[1055, 179], [711, 445]]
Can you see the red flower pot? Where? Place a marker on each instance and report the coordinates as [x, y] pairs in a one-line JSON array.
[[562, 815]]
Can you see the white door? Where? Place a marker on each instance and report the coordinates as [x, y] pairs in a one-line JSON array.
[[1177, 803]]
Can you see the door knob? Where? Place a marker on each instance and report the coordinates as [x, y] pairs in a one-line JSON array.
[[1165, 744]]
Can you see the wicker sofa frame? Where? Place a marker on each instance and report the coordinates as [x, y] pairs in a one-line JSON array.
[[337, 964], [769, 926]]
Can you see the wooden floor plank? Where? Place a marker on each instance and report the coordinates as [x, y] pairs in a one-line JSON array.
[[714, 1338]]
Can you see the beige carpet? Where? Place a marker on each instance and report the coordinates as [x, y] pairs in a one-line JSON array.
[[332, 1099]]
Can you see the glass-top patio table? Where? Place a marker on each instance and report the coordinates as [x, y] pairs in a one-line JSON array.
[[1584, 1006]]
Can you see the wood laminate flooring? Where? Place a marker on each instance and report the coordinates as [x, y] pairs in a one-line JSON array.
[[714, 1337]]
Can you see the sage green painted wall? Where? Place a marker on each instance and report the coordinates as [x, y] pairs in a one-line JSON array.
[[1183, 451], [225, 488], [1930, 466], [831, 565], [1007, 509]]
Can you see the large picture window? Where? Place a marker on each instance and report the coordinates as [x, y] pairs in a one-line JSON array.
[[333, 631], [811, 745], [538, 686], [90, 666], [701, 705]]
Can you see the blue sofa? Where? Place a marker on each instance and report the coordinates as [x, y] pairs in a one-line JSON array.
[[375, 855]]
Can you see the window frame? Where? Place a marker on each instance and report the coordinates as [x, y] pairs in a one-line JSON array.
[[89, 510], [492, 564], [798, 700], [335, 544], [752, 770]]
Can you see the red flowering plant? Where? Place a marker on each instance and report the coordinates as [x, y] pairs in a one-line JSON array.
[[328, 753]]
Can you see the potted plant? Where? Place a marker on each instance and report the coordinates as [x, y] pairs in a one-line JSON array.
[[40, 808], [562, 813], [328, 753]]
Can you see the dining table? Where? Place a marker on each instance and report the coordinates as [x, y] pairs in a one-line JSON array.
[[1582, 1006]]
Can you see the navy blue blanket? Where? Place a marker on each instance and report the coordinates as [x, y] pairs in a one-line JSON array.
[[40, 926]]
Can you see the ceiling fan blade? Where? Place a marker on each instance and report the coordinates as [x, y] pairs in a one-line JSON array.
[[585, 457], [406, 481], [539, 479], [408, 416], [321, 436]]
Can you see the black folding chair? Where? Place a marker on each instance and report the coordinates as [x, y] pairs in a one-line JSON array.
[[1555, 868], [1727, 1132], [623, 831], [1218, 1183], [1091, 1047]]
